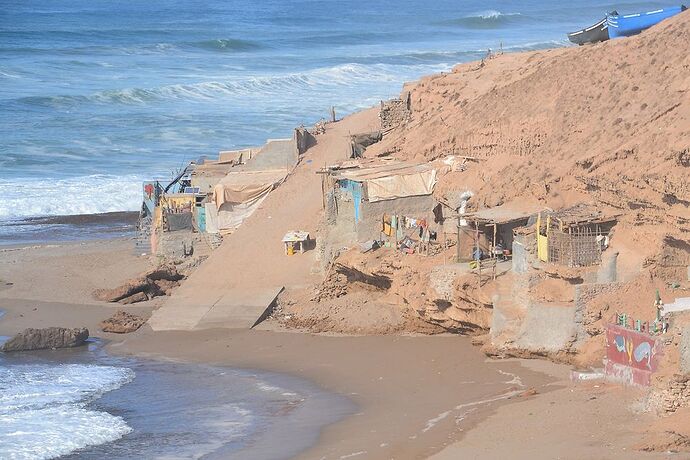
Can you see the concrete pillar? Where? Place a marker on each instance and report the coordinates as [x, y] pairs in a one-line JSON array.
[[685, 350], [608, 272], [519, 257]]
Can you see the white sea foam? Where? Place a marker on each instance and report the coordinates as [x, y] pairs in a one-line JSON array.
[[77, 195], [491, 14], [324, 78], [44, 413]]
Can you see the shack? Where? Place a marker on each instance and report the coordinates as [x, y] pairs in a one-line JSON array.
[[492, 229], [214, 196], [575, 236], [359, 194]]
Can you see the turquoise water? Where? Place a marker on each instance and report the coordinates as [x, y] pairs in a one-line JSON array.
[[97, 96]]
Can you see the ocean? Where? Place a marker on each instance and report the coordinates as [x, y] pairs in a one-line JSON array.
[[85, 404], [97, 96]]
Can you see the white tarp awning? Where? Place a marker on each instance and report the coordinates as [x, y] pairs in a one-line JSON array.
[[391, 187], [391, 180], [239, 194]]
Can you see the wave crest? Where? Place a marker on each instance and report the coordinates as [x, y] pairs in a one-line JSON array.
[[44, 409], [227, 45], [93, 194], [327, 77], [489, 19]]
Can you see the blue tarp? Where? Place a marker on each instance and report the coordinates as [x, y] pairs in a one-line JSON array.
[[355, 190]]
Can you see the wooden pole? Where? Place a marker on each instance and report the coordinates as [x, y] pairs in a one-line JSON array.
[[479, 261], [333, 114], [457, 249]]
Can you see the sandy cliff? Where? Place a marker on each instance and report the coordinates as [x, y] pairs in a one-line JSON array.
[[608, 123]]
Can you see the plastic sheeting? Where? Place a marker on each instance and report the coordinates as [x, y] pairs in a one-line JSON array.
[[239, 194], [211, 218], [231, 216], [246, 186], [388, 180], [399, 186]]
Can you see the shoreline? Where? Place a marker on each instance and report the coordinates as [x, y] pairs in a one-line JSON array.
[[234, 413], [381, 372], [417, 396], [433, 373], [74, 228]]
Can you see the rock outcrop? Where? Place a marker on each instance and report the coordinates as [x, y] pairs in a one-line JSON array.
[[46, 338], [156, 282], [122, 322]]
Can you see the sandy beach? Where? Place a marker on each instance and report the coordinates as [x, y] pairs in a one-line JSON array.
[[446, 384], [416, 396]]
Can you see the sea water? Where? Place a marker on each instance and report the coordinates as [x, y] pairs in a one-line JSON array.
[[97, 96], [85, 404]]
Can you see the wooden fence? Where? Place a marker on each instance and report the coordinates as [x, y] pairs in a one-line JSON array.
[[576, 247]]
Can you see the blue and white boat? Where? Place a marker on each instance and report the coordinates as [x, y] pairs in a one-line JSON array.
[[631, 24]]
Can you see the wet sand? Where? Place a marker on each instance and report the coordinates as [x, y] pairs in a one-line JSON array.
[[415, 395], [61, 229]]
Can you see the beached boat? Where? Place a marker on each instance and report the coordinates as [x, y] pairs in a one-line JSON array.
[[599, 32], [632, 24]]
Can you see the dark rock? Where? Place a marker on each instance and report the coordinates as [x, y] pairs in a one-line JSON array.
[[134, 298], [157, 282], [50, 337], [164, 272], [122, 322], [128, 289]]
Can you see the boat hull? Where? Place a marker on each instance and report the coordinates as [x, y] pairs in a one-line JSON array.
[[632, 24], [599, 32]]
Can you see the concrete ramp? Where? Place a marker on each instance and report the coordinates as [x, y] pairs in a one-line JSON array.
[[240, 309], [234, 309], [181, 314]]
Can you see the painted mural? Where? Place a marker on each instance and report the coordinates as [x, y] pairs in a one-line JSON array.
[[631, 355]]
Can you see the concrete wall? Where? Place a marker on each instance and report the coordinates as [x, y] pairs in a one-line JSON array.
[[547, 327], [303, 140], [368, 226], [275, 154], [685, 350]]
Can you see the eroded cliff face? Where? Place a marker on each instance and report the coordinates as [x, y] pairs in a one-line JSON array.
[[608, 124]]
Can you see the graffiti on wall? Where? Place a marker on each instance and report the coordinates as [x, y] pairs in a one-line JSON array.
[[630, 354], [631, 348]]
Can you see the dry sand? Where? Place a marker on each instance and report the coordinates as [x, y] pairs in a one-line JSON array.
[[606, 124]]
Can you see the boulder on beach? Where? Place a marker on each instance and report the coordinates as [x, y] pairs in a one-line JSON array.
[[46, 338], [122, 322], [155, 282]]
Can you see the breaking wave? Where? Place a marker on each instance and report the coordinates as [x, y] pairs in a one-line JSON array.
[[490, 19], [92, 194], [327, 77], [227, 45], [44, 409]]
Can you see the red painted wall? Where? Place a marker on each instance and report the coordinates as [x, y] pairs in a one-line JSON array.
[[631, 348]]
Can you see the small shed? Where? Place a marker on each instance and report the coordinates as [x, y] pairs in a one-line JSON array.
[[358, 193], [574, 236], [490, 227]]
